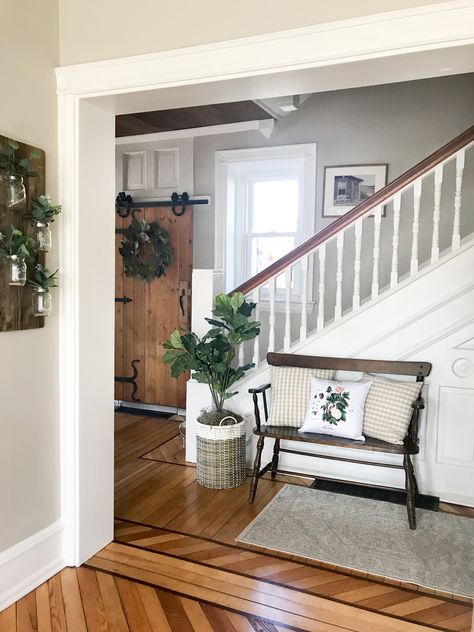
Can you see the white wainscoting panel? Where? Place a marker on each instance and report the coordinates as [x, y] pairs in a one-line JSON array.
[[166, 168], [456, 426], [134, 170]]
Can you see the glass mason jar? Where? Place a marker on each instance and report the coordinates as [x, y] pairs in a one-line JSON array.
[[41, 302], [43, 236], [15, 191], [17, 270]]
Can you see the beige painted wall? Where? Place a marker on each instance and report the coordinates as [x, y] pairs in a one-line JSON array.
[[93, 30], [29, 430]]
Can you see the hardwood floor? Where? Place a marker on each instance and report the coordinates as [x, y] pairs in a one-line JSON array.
[[175, 565]]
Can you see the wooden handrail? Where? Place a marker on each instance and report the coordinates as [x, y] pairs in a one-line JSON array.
[[361, 209]]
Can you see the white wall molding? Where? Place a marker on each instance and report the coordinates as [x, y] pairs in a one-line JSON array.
[[86, 184], [29, 563], [439, 25], [264, 126]]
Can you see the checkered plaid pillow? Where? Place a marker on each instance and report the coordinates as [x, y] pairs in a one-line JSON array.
[[290, 393], [388, 408]]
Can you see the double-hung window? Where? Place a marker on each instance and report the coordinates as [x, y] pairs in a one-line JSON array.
[[265, 203]]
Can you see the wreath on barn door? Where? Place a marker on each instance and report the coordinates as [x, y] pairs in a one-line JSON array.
[[146, 250]]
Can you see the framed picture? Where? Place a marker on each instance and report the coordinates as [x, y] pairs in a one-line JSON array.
[[347, 186]]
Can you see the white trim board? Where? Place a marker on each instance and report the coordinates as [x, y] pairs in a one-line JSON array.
[[386, 45], [29, 563], [439, 25], [265, 127]]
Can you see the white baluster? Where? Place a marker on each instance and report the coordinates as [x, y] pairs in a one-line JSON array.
[[241, 354], [256, 346], [271, 319], [376, 255], [287, 340], [456, 240], [397, 202], [304, 296], [322, 268], [357, 264], [438, 182], [416, 226], [340, 250]]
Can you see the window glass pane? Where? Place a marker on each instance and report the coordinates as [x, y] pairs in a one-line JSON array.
[[275, 206], [266, 250]]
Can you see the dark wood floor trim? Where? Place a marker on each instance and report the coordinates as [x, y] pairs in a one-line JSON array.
[[283, 585], [294, 559], [210, 603]]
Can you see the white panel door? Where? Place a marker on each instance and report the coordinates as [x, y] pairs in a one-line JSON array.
[[155, 169]]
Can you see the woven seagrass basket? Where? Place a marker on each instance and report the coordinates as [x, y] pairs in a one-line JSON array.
[[221, 455]]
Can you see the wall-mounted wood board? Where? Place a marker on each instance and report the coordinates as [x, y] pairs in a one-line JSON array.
[[16, 311]]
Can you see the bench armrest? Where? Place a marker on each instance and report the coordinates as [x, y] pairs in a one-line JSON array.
[[255, 393], [419, 403], [259, 389]]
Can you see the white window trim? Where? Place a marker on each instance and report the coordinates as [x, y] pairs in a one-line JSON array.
[[224, 158]]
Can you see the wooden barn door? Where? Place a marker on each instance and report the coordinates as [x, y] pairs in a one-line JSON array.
[[146, 314]]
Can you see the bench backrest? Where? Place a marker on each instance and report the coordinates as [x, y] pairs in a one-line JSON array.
[[417, 369]]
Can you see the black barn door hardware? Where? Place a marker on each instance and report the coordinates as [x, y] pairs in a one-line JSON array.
[[124, 203], [123, 299], [130, 380]]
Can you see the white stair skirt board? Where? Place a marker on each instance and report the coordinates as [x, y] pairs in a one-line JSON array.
[[431, 329], [26, 565]]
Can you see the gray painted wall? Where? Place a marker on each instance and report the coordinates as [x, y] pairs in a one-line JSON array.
[[398, 124]]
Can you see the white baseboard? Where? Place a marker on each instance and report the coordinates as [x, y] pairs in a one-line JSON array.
[[26, 565]]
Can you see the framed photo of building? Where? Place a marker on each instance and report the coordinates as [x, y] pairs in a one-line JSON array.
[[346, 186]]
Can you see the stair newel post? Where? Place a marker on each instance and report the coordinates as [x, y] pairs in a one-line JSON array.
[[397, 203], [287, 339], [340, 251], [456, 240], [271, 319], [304, 297], [256, 346], [376, 253], [357, 263], [416, 226], [438, 182], [322, 287]]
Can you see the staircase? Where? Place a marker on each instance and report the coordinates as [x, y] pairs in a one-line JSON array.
[[392, 278]]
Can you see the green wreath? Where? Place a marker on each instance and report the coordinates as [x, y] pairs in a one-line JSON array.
[[146, 250]]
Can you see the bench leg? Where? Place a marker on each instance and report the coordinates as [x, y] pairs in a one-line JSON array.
[[256, 469], [410, 487], [276, 453]]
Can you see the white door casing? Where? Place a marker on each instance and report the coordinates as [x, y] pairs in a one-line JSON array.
[[432, 40]]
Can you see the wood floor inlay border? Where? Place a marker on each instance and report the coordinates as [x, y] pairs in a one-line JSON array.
[[330, 579]]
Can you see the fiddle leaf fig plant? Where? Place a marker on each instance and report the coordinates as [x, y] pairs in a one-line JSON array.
[[14, 166], [211, 358], [42, 210], [17, 244], [43, 279]]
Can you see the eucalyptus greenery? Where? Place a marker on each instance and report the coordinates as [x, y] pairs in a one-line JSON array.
[[146, 250], [211, 357], [42, 210], [43, 279], [17, 244], [14, 166]]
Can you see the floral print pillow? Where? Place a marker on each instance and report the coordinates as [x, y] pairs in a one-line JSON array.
[[336, 408]]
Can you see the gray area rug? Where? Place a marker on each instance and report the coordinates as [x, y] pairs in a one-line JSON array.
[[370, 536]]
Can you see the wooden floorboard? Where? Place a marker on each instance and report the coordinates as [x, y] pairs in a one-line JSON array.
[[175, 565], [182, 520]]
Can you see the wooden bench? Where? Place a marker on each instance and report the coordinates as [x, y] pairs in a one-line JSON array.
[[410, 445]]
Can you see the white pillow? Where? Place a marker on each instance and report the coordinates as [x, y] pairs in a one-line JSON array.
[[336, 408]]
